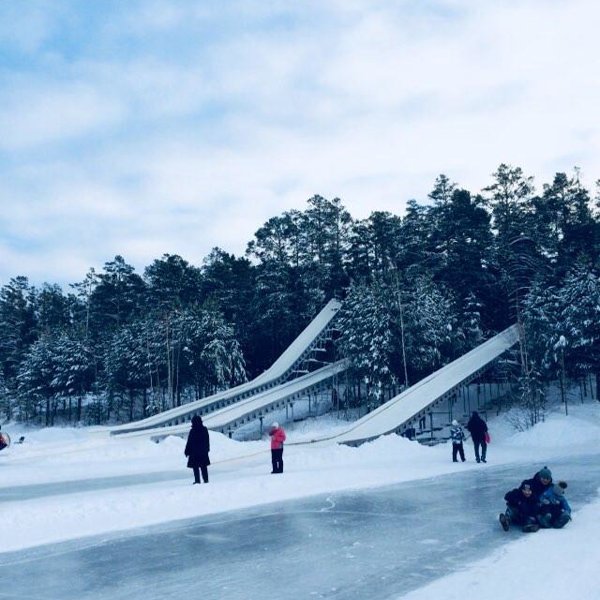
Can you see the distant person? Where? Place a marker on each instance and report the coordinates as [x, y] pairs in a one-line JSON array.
[[4, 440], [197, 449], [478, 428], [277, 438], [540, 482], [554, 510], [521, 509], [457, 435]]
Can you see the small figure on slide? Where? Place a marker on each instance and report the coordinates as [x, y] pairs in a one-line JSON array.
[[540, 482], [521, 509], [554, 510]]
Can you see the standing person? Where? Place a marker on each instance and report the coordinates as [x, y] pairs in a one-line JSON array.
[[277, 438], [197, 449], [457, 435], [521, 509], [478, 428]]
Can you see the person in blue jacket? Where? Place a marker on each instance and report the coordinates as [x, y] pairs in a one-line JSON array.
[[554, 510]]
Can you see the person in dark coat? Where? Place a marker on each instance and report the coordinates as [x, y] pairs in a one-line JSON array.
[[521, 509], [540, 482], [197, 449], [478, 428]]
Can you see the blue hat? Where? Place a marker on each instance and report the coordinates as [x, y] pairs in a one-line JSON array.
[[545, 473]]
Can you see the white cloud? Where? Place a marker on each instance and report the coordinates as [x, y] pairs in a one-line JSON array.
[[41, 114], [196, 125]]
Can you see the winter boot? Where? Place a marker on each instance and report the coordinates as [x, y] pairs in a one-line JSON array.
[[561, 521], [531, 528], [504, 521]]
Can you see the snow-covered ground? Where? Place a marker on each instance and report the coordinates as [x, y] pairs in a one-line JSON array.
[[564, 560]]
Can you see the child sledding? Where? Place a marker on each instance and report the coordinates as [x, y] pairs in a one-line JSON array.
[[536, 503]]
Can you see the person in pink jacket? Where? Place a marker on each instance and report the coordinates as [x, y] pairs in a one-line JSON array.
[[277, 438]]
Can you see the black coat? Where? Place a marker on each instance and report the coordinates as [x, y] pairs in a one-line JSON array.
[[537, 487], [477, 428], [527, 506], [197, 447]]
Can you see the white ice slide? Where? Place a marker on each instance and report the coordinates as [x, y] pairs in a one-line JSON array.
[[276, 374]]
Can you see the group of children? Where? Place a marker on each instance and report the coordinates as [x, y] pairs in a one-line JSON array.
[[537, 502]]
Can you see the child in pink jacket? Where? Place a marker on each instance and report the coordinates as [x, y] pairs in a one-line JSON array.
[[277, 438]]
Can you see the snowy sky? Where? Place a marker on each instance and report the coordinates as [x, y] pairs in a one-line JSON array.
[[172, 126], [240, 478]]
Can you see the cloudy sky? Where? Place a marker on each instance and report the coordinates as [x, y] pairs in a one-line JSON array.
[[163, 126]]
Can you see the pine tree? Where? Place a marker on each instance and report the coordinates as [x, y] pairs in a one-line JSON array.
[[117, 298], [18, 326], [431, 328], [366, 339], [580, 302]]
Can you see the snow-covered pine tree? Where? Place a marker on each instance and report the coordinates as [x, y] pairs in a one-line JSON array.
[[431, 328], [580, 316], [366, 338]]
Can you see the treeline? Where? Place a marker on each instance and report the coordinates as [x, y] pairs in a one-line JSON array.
[[419, 290]]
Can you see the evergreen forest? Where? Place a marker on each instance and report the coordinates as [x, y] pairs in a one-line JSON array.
[[418, 291]]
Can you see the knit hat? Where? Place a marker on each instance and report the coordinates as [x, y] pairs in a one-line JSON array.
[[526, 486], [455, 423], [545, 473], [274, 425], [560, 487]]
